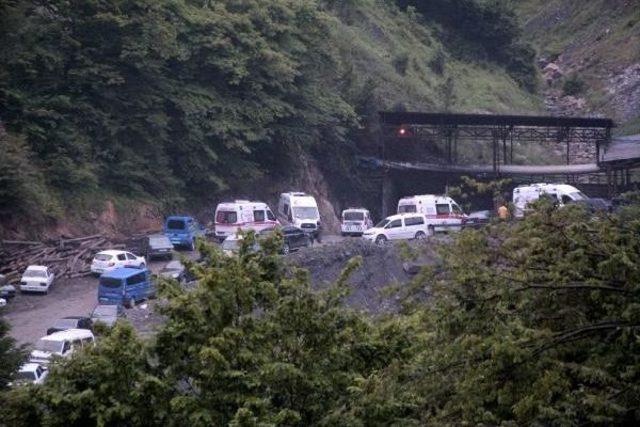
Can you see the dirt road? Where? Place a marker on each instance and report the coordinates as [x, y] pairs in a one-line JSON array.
[[31, 314]]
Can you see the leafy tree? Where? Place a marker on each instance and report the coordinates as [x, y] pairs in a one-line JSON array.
[[528, 323], [11, 356], [533, 323]]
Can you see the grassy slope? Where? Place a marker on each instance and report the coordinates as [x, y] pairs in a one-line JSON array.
[[374, 37], [597, 39]]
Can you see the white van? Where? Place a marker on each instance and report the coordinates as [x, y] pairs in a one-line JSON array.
[[243, 215], [398, 227], [561, 194], [442, 212], [300, 210], [62, 344], [355, 221]]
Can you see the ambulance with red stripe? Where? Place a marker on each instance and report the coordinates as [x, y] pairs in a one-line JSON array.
[[442, 213], [242, 215]]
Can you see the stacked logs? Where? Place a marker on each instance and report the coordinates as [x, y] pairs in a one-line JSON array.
[[65, 257]]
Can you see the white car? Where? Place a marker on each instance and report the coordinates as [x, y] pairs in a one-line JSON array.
[[112, 259], [61, 344], [36, 278], [3, 302], [31, 373], [399, 227]]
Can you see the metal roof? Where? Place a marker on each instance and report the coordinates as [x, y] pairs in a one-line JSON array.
[[623, 149], [123, 272], [415, 118]]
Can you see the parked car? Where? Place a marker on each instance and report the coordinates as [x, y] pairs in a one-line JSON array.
[[7, 292], [61, 344], [294, 238], [125, 286], [109, 260], [231, 245], [478, 219], [183, 231], [31, 373], [157, 246], [3, 302], [594, 205], [559, 194], [442, 213], [398, 227], [107, 314], [70, 322], [355, 221], [175, 270], [244, 215], [36, 278], [300, 210]]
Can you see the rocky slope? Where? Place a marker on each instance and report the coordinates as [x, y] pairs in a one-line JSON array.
[[589, 56]]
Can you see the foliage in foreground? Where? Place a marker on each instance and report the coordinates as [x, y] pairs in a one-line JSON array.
[[528, 323]]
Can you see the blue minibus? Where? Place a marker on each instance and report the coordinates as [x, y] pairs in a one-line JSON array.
[[125, 286], [183, 230]]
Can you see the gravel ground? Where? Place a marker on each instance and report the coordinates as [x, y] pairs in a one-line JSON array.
[[31, 314], [381, 266]]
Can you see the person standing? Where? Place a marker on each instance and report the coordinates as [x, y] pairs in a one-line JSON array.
[[503, 212]]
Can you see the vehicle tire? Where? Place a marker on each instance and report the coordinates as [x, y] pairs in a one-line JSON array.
[[286, 249], [432, 230], [381, 240], [420, 235], [343, 234], [143, 265]]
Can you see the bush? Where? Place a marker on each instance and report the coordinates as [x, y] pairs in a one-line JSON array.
[[573, 86]]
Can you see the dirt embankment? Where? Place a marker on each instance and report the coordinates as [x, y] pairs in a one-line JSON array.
[[382, 266]]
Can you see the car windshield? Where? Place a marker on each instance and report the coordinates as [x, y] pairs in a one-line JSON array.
[[578, 195], [65, 323], [382, 223], [26, 375], [407, 209], [353, 216], [103, 257], [49, 346], [159, 241], [305, 212], [175, 224], [35, 273], [231, 245]]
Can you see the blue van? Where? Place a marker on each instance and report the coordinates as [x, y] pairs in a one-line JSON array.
[[125, 286], [182, 231]]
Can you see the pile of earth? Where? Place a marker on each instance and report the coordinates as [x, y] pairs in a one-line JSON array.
[[382, 267]]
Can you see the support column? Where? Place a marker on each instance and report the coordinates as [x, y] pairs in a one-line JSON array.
[[388, 195]]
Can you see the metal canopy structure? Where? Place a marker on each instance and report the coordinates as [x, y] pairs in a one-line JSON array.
[[448, 119], [501, 132]]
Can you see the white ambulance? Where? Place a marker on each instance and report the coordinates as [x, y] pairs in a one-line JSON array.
[[300, 210], [561, 194], [243, 215], [442, 212], [355, 221]]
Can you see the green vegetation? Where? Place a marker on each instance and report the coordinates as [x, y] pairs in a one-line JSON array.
[[573, 85], [181, 100], [482, 29], [531, 323]]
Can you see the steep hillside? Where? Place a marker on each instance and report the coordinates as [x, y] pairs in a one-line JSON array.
[[179, 103], [590, 54]]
